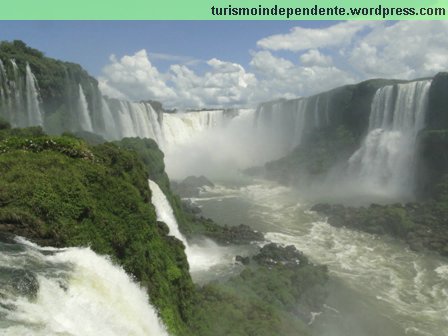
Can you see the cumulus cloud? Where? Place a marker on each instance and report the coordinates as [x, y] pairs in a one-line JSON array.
[[315, 57], [135, 77], [279, 77], [300, 38], [405, 49], [224, 83], [302, 62]]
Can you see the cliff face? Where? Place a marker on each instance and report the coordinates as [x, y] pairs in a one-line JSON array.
[[34, 86], [340, 131], [437, 116], [433, 140], [333, 127]]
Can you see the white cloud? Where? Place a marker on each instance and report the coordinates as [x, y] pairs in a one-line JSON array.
[[300, 38], [278, 77], [302, 62], [136, 78], [314, 57], [406, 49]]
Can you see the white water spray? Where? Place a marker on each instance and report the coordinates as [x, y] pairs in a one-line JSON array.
[[32, 99], [201, 256], [384, 163], [164, 211], [85, 121], [70, 291]]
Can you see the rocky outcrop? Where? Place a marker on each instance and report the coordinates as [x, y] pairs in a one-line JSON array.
[[191, 186]]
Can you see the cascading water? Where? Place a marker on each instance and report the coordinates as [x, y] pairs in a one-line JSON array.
[[127, 119], [16, 85], [32, 99], [164, 211], [181, 127], [284, 123], [384, 163], [19, 97], [110, 130], [3, 83], [85, 122], [201, 256], [71, 291]]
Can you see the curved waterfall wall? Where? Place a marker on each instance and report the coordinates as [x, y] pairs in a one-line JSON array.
[[246, 137]]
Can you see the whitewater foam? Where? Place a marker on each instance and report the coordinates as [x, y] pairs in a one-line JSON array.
[[78, 293]]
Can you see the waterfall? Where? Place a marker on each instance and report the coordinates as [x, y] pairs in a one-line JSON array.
[[286, 122], [32, 99], [164, 211], [17, 110], [19, 97], [85, 122], [71, 291], [3, 82], [110, 128], [178, 128], [384, 162], [126, 119], [202, 255], [5, 103]]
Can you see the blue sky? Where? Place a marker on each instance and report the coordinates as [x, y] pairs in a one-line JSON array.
[[237, 63], [90, 43]]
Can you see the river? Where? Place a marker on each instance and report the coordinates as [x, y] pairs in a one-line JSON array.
[[377, 285]]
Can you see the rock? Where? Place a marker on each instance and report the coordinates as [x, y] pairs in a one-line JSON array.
[[25, 283], [274, 254], [190, 207], [241, 234], [321, 207], [242, 260], [191, 186]]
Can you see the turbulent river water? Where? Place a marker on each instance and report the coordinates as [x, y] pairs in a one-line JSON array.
[[71, 291], [377, 285]]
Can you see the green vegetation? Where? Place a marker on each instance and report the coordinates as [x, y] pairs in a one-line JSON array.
[[422, 225], [59, 191], [274, 295], [58, 85], [64, 191]]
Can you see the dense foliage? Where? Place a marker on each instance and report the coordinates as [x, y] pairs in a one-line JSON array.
[[59, 191]]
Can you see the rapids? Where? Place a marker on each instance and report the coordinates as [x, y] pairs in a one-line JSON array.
[[70, 291], [377, 285]]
